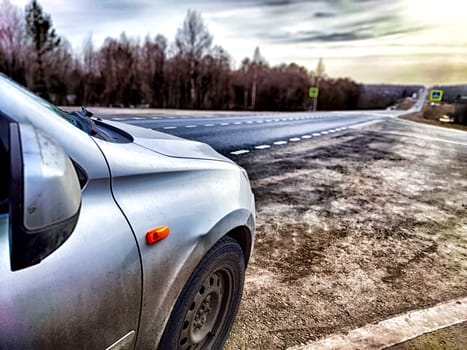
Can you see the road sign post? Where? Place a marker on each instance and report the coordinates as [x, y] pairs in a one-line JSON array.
[[313, 92], [436, 95]]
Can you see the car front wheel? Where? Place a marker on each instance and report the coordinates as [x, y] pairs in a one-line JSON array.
[[205, 311]]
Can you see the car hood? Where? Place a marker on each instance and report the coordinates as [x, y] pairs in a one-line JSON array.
[[168, 145]]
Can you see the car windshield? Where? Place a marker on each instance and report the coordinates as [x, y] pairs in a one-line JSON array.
[[78, 119]]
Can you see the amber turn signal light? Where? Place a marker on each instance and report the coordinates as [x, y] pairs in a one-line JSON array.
[[157, 234]]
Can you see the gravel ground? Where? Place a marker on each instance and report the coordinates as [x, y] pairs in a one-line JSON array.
[[353, 229]]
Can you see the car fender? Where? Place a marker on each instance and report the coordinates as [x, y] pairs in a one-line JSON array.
[[240, 219], [199, 200]]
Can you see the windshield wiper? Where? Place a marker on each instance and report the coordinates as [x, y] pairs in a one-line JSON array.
[[82, 120]]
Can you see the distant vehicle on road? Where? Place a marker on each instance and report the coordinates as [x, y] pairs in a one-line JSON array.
[[114, 236]]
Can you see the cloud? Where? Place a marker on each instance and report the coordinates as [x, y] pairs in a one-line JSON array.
[[285, 30], [324, 15], [287, 21]]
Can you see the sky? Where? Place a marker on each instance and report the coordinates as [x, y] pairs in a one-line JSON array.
[[371, 41]]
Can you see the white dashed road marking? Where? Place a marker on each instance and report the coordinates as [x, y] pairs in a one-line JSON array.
[[262, 146], [294, 139], [316, 134], [306, 137], [280, 143], [191, 126], [240, 151], [238, 123], [225, 124], [208, 124], [169, 127]]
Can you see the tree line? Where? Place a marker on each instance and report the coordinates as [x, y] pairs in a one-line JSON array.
[[191, 72]]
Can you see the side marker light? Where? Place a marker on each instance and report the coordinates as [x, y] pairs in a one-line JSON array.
[[157, 234]]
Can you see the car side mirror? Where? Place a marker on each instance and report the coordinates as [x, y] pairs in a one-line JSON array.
[[45, 196]]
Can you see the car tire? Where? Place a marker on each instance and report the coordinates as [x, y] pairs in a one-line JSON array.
[[207, 306]]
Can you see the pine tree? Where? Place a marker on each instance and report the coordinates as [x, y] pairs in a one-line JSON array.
[[42, 38]]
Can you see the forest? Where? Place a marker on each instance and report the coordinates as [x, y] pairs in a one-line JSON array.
[[188, 73]]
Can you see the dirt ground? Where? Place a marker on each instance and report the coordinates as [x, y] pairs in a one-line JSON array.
[[431, 115], [353, 229]]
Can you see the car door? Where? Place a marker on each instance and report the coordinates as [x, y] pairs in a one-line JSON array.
[[87, 293]]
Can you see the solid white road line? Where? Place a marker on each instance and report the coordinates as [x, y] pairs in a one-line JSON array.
[[240, 151], [395, 330]]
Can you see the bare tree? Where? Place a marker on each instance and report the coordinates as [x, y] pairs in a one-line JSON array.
[[89, 55], [59, 79], [117, 62], [12, 40], [88, 68], [320, 69], [125, 71], [257, 63], [193, 41], [152, 61]]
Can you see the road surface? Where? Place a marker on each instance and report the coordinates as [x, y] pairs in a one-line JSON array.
[[237, 134]]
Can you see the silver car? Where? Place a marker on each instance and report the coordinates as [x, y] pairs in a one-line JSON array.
[[114, 236]]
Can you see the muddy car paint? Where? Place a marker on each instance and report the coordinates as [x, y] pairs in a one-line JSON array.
[[105, 282], [183, 192]]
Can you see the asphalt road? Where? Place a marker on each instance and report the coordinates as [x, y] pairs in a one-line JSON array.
[[239, 134]]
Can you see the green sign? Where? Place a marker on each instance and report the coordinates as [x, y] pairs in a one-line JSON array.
[[313, 92], [436, 95]]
